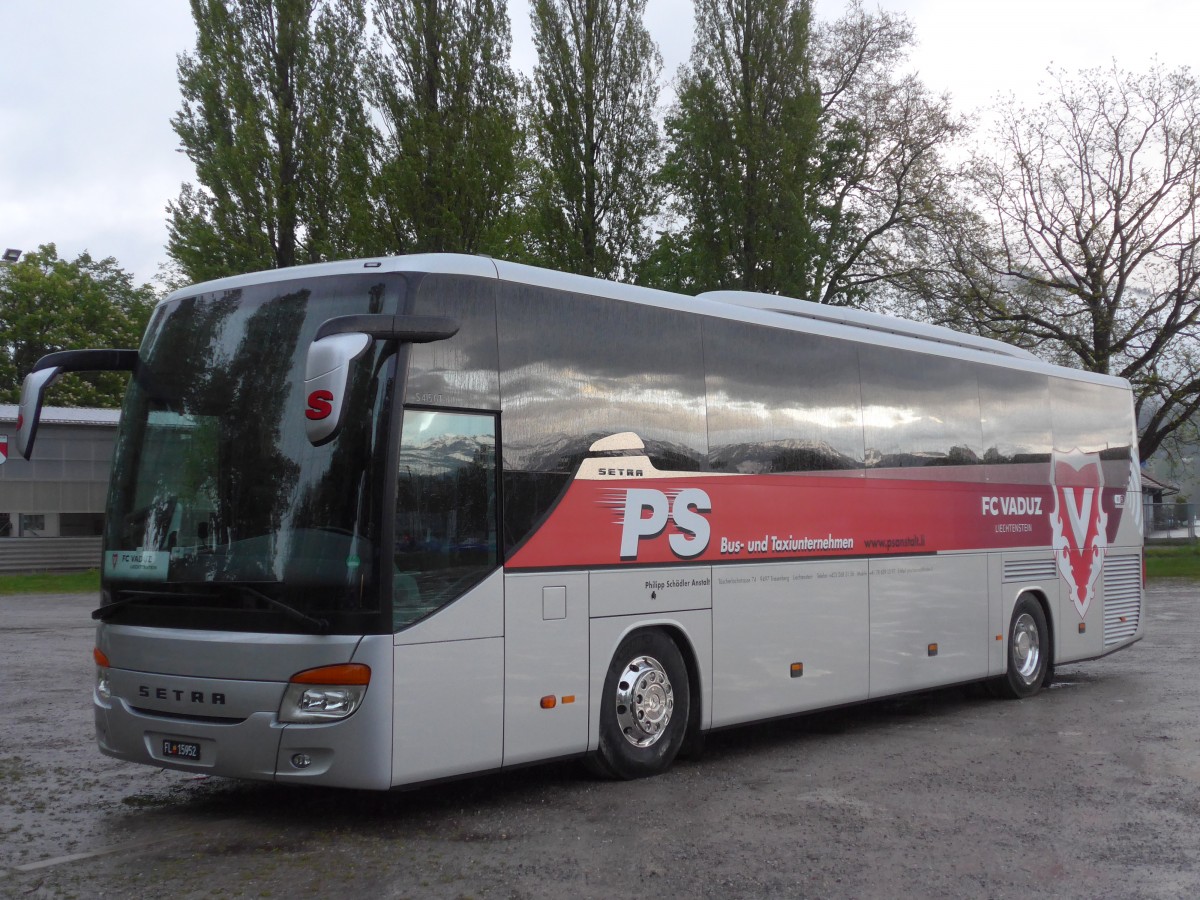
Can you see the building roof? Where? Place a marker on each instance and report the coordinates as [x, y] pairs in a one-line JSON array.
[[63, 415], [1149, 483]]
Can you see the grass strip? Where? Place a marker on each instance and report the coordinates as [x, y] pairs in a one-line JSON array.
[[51, 583]]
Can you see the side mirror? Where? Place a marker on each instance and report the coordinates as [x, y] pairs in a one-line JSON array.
[[47, 369], [326, 374], [33, 392], [338, 343]]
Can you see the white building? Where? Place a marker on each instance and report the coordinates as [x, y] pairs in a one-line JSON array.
[[62, 490]]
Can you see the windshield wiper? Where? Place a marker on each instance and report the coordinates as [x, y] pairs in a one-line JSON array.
[[136, 597], [321, 626]]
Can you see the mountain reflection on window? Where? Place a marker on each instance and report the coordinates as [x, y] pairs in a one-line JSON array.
[[445, 527]]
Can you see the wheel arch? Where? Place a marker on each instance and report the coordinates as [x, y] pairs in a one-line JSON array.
[[691, 633], [692, 741]]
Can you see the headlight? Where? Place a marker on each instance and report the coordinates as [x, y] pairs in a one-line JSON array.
[[324, 694], [103, 690]]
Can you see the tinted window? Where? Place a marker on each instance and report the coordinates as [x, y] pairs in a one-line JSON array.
[[217, 494], [1016, 424], [918, 410], [575, 369], [445, 536], [781, 401], [459, 372], [1094, 418]]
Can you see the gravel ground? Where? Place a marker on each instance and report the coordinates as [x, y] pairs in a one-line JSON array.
[[1091, 789]]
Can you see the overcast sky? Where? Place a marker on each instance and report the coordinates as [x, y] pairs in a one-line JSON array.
[[87, 89]]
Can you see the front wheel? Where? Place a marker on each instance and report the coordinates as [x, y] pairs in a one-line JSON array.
[[644, 708], [1028, 651]]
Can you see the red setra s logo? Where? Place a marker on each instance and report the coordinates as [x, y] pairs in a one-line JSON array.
[[320, 405]]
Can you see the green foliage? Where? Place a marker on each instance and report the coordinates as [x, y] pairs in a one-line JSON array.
[[49, 304], [443, 88], [803, 161], [274, 122], [595, 141], [744, 143]]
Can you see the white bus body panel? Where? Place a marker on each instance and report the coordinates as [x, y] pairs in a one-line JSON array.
[[650, 591], [920, 601], [353, 750], [449, 689], [677, 599], [546, 655], [767, 617]]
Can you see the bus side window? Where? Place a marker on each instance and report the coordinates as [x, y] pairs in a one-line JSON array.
[[445, 525]]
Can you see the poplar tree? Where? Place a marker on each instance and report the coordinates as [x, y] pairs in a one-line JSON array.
[[443, 87], [803, 160], [743, 144], [595, 140], [274, 122]]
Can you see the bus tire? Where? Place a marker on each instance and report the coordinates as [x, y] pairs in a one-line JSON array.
[[1028, 651], [644, 709]]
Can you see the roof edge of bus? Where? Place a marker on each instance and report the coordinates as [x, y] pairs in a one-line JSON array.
[[442, 263], [767, 309], [871, 321]]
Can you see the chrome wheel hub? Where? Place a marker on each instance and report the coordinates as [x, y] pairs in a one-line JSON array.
[[1026, 647], [645, 701]]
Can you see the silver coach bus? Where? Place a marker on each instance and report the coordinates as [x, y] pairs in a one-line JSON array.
[[382, 522]]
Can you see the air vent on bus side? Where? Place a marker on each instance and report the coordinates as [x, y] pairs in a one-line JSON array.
[[1122, 598], [1030, 570]]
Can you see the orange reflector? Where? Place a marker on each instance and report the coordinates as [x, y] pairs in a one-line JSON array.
[[999, 637], [346, 673], [549, 702], [570, 698], [797, 669], [932, 648], [100, 658], [1082, 627]]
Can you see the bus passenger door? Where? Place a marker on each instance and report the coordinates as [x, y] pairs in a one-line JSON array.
[[447, 598], [545, 666], [448, 678]]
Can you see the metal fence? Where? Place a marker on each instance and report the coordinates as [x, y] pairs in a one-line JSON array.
[[1173, 522], [53, 554]]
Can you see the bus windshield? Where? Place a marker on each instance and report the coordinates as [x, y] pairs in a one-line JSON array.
[[221, 513]]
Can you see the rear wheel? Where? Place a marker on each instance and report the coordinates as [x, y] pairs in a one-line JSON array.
[[1028, 651], [644, 708]]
